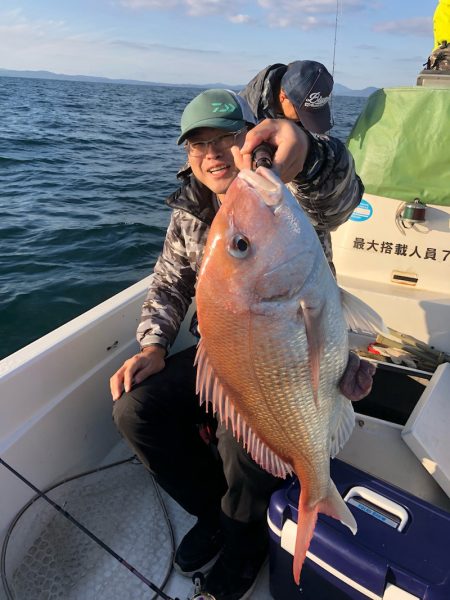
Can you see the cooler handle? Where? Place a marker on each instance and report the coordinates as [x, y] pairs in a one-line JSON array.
[[380, 501]]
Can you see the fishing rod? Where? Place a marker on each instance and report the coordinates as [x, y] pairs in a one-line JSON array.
[[262, 156], [89, 533]]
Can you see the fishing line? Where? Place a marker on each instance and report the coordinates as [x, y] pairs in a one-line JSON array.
[[67, 515], [314, 204], [335, 36], [334, 55]]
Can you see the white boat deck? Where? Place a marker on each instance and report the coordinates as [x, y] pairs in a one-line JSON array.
[[61, 425], [122, 507]]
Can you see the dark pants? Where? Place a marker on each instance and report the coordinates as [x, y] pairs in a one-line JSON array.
[[159, 419]]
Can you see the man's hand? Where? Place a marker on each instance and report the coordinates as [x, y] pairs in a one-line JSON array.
[[290, 141], [137, 368], [356, 382]]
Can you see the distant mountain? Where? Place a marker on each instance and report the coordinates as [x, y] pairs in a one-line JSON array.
[[93, 79], [339, 90]]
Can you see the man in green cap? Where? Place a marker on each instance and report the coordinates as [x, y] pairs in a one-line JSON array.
[[156, 408]]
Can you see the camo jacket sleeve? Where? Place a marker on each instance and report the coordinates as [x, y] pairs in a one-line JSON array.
[[328, 188], [172, 284]]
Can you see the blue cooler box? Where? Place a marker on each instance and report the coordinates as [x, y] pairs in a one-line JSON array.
[[401, 550]]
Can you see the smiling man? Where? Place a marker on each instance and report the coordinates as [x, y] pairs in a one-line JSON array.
[[156, 408]]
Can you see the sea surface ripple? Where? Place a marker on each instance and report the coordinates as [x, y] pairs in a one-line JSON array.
[[85, 169]]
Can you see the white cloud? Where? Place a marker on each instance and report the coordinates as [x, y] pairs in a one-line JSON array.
[[118, 51], [198, 8], [421, 26], [149, 48], [299, 7], [305, 23], [306, 15], [14, 22], [52, 46], [151, 4], [301, 14], [194, 8], [241, 19]]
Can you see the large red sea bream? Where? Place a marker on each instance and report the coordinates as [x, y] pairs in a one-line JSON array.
[[274, 342]]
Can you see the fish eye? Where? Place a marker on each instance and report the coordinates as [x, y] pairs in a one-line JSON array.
[[239, 247]]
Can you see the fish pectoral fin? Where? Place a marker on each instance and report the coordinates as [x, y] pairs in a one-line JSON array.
[[212, 393], [312, 317], [342, 429], [359, 316]]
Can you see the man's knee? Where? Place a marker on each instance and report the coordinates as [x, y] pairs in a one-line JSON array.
[[145, 409], [125, 414]]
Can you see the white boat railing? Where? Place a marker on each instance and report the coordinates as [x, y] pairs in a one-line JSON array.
[[55, 401]]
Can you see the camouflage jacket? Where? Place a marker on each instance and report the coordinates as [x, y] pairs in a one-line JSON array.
[[261, 92], [327, 188]]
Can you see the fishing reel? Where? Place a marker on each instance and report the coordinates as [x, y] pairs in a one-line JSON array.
[[262, 156], [409, 214]]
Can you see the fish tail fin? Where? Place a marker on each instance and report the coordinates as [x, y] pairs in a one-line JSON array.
[[333, 506], [305, 528]]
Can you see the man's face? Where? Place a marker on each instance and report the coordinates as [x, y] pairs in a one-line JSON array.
[[287, 107], [289, 110], [213, 164]]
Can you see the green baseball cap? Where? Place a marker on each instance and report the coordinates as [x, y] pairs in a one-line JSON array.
[[221, 109]]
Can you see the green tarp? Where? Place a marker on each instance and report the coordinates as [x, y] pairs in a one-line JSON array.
[[401, 144]]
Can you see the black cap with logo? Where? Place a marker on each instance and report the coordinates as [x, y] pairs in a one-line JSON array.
[[308, 85]]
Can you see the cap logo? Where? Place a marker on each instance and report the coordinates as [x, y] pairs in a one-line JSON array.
[[316, 100], [222, 107]]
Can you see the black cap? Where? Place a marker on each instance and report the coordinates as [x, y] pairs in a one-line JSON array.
[[308, 85]]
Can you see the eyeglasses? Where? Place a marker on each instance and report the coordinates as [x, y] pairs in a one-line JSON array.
[[221, 142]]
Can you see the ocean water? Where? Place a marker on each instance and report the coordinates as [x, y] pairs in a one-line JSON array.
[[84, 171]]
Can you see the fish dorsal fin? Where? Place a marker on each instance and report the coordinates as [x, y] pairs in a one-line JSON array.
[[341, 430], [212, 392], [361, 317]]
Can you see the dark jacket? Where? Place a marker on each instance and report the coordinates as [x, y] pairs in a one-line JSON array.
[[262, 92], [327, 188]]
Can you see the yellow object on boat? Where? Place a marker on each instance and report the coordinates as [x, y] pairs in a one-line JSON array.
[[441, 23]]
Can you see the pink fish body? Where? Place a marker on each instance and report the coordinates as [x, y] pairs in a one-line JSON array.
[[274, 343]]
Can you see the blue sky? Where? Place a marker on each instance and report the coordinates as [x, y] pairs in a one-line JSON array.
[[379, 42]]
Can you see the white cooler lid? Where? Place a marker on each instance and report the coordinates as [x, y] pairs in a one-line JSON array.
[[427, 431]]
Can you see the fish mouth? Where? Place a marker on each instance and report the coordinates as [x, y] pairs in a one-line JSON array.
[[264, 182]]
